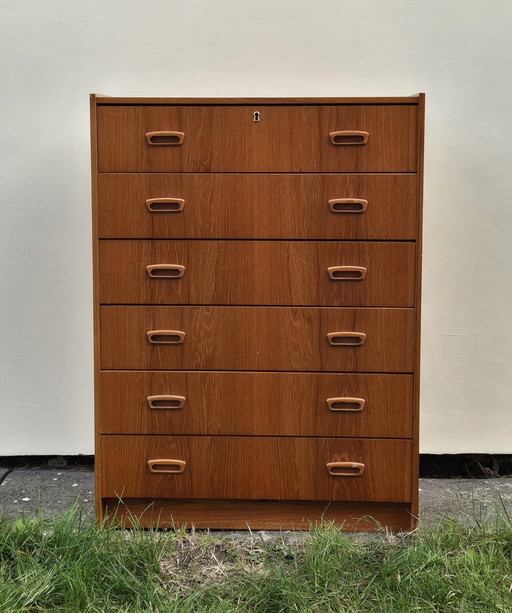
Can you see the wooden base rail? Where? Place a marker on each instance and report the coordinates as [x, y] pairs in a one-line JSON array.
[[257, 515]]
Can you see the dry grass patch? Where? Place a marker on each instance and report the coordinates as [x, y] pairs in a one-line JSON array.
[[200, 558]]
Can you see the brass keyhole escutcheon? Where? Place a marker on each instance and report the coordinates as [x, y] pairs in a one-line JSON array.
[[256, 116]]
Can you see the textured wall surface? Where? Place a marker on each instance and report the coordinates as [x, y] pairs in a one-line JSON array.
[[53, 54]]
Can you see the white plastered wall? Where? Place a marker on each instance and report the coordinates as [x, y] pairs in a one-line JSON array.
[[54, 53]]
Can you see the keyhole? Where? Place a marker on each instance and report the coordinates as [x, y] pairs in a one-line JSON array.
[[256, 116]]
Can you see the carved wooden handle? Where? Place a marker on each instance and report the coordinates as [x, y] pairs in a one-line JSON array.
[[165, 271], [166, 337], [174, 467], [348, 205], [166, 402], [165, 205], [346, 339], [345, 469], [345, 404], [349, 137], [347, 273], [165, 138]]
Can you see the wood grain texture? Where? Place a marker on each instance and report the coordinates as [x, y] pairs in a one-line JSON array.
[[96, 306], [257, 206], [257, 338], [258, 514], [256, 272], [276, 468], [417, 328], [287, 139], [113, 100], [251, 403]]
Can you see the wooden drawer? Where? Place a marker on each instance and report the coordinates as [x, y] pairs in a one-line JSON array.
[[257, 272], [189, 205], [256, 338], [280, 468], [255, 403], [286, 139]]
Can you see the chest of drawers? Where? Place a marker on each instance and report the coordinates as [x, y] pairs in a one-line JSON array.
[[257, 276]]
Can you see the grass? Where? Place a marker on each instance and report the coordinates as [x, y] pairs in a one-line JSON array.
[[68, 564]]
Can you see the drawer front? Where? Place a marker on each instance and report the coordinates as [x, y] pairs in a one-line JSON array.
[[257, 272], [256, 338], [286, 139], [281, 468], [250, 403], [190, 205]]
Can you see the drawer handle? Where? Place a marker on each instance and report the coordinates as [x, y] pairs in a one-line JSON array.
[[165, 205], [165, 271], [346, 339], [348, 405], [173, 467], [349, 137], [166, 337], [166, 402], [165, 138], [347, 273], [345, 469], [348, 205]]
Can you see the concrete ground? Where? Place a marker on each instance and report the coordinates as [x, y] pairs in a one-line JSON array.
[[22, 491]]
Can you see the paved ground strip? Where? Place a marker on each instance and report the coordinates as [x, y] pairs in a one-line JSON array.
[[23, 491]]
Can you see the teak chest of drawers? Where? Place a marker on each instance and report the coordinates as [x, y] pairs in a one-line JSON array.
[[257, 269]]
